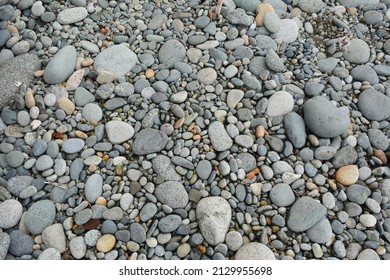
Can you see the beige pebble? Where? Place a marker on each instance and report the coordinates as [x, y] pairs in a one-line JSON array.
[[12, 29], [87, 62], [261, 10], [38, 73], [120, 27], [29, 98], [105, 243], [183, 250], [347, 175], [81, 134], [149, 73], [256, 188], [65, 104], [246, 39], [352, 11], [75, 80], [101, 201], [260, 131]]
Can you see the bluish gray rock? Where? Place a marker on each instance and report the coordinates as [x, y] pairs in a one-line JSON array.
[[282, 195], [357, 3], [61, 66], [295, 129], [73, 145], [321, 232], [237, 16], [374, 105], [118, 131], [247, 5], [324, 119], [20, 243], [93, 187], [40, 215], [305, 213], [203, 169], [4, 244], [365, 73], [72, 15], [19, 183], [357, 51], [10, 212]]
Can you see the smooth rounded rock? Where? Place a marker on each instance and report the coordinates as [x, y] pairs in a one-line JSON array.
[[254, 251], [295, 129], [171, 52], [72, 15], [305, 213], [282, 195], [93, 187], [73, 145], [374, 105], [40, 215], [357, 51], [149, 141], [280, 103], [347, 175], [106, 243], [54, 236], [92, 113], [61, 66], [324, 119], [321, 232], [119, 131]]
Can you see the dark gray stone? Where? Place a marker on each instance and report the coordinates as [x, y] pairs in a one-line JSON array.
[[305, 213]]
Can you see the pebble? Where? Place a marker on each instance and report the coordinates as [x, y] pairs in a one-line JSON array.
[[106, 243], [324, 119], [4, 244], [288, 31], [10, 213], [53, 236], [20, 243], [169, 223], [321, 232], [358, 193], [39, 215], [118, 131], [77, 247], [116, 59], [280, 103], [149, 141], [172, 193], [262, 10], [93, 187], [213, 215], [357, 51], [374, 105], [282, 195], [272, 22], [347, 175], [220, 139], [73, 145], [61, 66], [171, 52], [72, 15], [310, 6], [254, 251], [295, 128], [50, 254], [304, 214], [368, 254]]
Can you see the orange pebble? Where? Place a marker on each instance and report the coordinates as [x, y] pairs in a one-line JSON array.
[[101, 201], [149, 73], [252, 173]]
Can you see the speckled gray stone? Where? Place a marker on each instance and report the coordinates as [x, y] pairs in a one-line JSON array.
[[305, 213], [254, 251]]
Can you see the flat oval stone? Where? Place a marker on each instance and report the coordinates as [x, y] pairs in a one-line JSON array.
[[61, 66], [282, 195], [324, 119], [305, 213], [280, 103], [295, 129], [93, 188], [73, 145], [72, 15], [374, 105]]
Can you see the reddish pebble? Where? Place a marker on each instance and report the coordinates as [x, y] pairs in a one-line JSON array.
[[381, 155]]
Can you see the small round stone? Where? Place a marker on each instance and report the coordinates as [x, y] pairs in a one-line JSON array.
[[106, 243]]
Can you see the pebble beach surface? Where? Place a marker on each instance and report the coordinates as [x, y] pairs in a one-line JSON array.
[[136, 129]]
